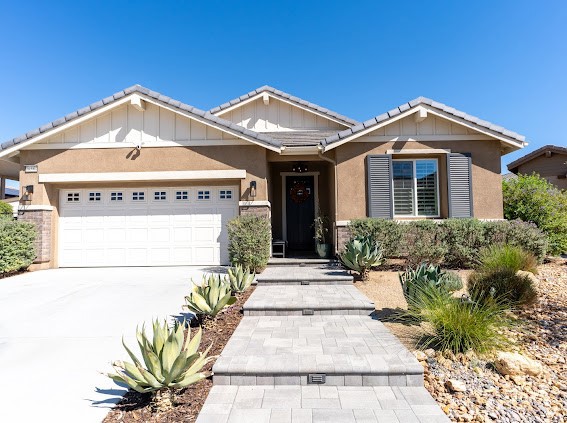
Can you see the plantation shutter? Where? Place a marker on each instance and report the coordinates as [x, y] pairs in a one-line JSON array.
[[380, 200], [459, 178]]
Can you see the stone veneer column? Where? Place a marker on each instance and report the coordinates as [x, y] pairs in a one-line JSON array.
[[342, 235], [256, 208], [41, 218]]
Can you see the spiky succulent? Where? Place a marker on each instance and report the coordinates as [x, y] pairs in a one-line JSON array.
[[426, 276], [361, 254], [239, 278], [210, 297], [168, 361]]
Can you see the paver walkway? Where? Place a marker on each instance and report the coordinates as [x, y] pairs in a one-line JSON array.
[[312, 353]]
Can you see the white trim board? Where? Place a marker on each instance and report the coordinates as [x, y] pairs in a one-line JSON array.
[[142, 176], [130, 145], [284, 175], [258, 203]]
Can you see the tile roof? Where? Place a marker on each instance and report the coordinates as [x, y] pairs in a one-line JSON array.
[[185, 108], [416, 102], [553, 148], [300, 102], [301, 138]]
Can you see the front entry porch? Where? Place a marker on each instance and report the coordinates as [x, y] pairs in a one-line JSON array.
[[300, 191]]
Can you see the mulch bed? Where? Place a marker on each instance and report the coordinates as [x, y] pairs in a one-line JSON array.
[[135, 407], [14, 273]]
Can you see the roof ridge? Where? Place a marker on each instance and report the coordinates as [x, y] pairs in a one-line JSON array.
[[267, 88], [137, 88], [536, 153], [416, 102]]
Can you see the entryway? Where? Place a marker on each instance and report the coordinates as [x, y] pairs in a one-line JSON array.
[[300, 212]]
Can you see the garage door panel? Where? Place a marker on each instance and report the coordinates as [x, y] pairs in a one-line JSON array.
[[164, 228]]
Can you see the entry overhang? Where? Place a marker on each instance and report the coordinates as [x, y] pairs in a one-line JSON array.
[[184, 175]]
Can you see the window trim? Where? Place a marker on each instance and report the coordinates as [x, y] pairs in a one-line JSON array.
[[204, 190], [438, 198]]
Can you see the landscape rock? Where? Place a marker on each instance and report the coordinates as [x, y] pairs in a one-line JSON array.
[[513, 364], [455, 385], [420, 355]]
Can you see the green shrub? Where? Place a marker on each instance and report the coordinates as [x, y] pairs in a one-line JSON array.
[[463, 239], [532, 199], [388, 233], [510, 288], [6, 211], [423, 242], [516, 232], [506, 257], [249, 241], [361, 254], [457, 325], [16, 245], [415, 281], [209, 298], [168, 362]]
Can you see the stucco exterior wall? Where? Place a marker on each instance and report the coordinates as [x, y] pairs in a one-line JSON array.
[[251, 158], [487, 185], [548, 167]]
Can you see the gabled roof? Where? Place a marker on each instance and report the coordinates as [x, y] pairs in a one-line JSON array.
[[287, 97], [383, 119], [512, 167], [205, 117]]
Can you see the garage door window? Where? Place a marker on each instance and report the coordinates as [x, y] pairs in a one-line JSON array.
[[116, 196], [203, 195], [94, 196], [73, 197], [160, 196], [182, 195], [138, 196], [225, 194]]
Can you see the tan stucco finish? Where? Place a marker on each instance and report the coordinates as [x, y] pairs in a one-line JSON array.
[[553, 168], [487, 186]]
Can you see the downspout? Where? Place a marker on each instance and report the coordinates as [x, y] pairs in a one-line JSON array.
[[320, 150]]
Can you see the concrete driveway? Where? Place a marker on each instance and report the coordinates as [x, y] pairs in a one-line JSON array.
[[59, 328]]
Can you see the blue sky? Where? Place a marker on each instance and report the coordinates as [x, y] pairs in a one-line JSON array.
[[504, 61]]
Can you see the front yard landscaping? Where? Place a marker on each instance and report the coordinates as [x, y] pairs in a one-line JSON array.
[[488, 387]]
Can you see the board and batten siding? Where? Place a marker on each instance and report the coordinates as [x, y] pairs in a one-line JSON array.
[[432, 125], [277, 116], [129, 125]]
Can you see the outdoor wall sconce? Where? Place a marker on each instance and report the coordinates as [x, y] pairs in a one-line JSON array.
[[252, 189], [27, 194], [299, 167]]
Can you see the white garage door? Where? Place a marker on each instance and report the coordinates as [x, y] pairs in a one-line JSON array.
[[145, 226]]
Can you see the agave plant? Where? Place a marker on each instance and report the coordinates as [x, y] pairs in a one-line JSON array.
[[239, 278], [209, 298], [361, 254], [168, 362], [424, 276]]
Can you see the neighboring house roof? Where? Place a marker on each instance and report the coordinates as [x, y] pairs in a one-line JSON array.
[[288, 97], [383, 119], [301, 138], [184, 108], [512, 167]]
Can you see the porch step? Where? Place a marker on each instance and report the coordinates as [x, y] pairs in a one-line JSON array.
[[303, 262], [298, 300], [341, 350], [296, 404], [296, 275]]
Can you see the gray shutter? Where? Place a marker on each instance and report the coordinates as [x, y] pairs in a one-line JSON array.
[[379, 179], [459, 177]]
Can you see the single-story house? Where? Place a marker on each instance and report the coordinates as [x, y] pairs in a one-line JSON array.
[[140, 179], [549, 161]]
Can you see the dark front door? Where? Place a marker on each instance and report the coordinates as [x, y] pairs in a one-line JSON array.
[[300, 212]]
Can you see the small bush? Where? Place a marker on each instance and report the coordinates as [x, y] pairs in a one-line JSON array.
[[16, 245], [506, 257], [249, 240], [533, 199], [457, 325], [510, 288], [463, 239], [6, 211], [415, 281], [388, 233], [423, 243], [516, 232], [361, 255]]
